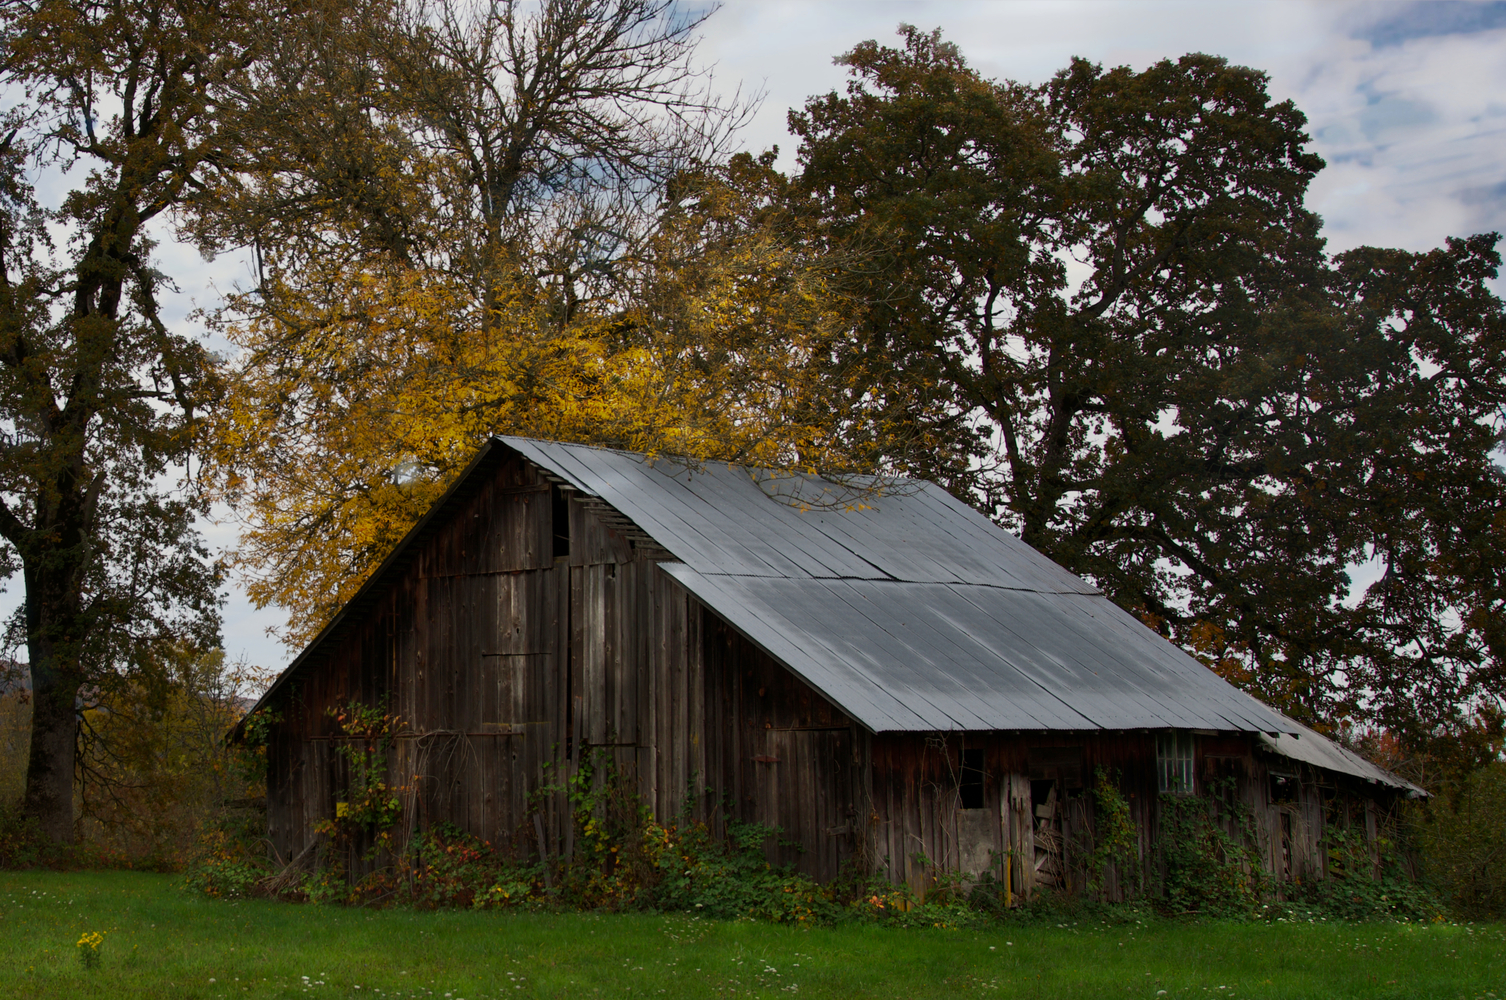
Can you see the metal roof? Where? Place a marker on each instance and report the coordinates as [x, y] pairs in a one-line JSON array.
[[732, 520], [906, 608]]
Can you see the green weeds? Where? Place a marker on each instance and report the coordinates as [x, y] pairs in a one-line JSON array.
[[624, 860]]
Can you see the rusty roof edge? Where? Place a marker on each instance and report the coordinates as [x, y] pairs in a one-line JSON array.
[[377, 580]]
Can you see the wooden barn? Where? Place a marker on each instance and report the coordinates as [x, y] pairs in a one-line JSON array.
[[888, 677]]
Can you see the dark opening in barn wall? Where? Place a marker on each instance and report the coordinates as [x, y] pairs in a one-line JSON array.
[[1284, 788], [970, 789], [1056, 777], [559, 509]]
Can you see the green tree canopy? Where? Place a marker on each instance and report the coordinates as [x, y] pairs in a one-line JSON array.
[[1106, 295]]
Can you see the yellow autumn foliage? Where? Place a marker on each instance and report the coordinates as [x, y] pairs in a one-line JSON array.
[[361, 391]]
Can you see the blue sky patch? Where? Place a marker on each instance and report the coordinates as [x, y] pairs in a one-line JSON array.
[[1404, 22]]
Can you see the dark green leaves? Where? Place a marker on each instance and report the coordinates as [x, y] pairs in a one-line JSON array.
[[1108, 318]]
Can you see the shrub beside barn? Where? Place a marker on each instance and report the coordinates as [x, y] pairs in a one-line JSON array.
[[887, 676]]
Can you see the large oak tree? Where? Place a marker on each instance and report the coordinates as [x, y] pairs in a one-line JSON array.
[[128, 106], [1107, 296], [455, 232]]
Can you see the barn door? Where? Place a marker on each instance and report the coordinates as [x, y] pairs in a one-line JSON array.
[[1049, 871], [1017, 818], [803, 785]]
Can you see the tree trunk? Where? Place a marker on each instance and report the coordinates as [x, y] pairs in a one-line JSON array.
[[55, 683]]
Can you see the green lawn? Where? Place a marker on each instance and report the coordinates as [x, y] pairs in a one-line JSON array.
[[161, 942]]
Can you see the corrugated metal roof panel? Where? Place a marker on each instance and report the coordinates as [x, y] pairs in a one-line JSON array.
[[726, 519], [741, 497], [1039, 634], [977, 682], [1120, 637], [971, 657]]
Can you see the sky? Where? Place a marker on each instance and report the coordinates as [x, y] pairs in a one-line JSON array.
[[1405, 101]]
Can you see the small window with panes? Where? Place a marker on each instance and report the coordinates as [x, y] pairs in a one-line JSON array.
[[1174, 762]]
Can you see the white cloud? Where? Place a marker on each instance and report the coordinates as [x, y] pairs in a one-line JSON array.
[[1414, 135], [1411, 121]]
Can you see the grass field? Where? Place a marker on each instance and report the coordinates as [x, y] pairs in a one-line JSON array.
[[162, 942]]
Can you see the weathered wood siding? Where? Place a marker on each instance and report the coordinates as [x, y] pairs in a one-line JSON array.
[[918, 828], [505, 664], [780, 754]]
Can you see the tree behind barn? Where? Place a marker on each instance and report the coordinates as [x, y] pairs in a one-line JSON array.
[[1146, 365], [488, 219]]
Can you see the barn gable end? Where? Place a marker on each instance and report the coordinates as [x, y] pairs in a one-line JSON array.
[[506, 662]]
